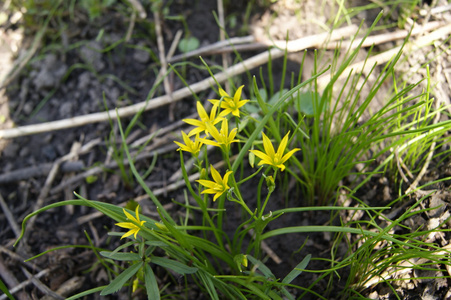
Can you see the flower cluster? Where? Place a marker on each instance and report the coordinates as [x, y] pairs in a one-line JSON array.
[[223, 138]]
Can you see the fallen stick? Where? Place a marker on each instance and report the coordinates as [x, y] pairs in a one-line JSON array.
[[111, 165], [251, 63], [20, 286], [369, 41], [367, 64], [39, 170], [9, 216], [10, 280], [391, 36]]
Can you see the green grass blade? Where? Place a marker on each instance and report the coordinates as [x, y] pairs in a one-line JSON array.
[[297, 270], [121, 279], [153, 292], [139, 178], [173, 265], [86, 293], [261, 266], [5, 290], [121, 256]]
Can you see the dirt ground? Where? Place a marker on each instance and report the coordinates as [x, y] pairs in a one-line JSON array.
[[62, 81]]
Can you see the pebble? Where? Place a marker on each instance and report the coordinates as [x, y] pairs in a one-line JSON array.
[[27, 108], [83, 80], [49, 73], [11, 150], [24, 151], [141, 56], [66, 109], [90, 53], [49, 152]]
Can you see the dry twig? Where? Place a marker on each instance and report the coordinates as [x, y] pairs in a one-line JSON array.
[[248, 64], [9, 216]]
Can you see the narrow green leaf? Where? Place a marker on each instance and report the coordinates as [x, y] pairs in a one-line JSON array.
[[122, 256], [297, 270], [121, 279], [5, 290], [286, 293], [153, 292], [261, 266], [156, 243], [87, 292], [208, 284], [173, 265], [254, 288]]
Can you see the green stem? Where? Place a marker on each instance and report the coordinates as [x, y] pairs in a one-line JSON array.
[[236, 188], [270, 190], [201, 204]]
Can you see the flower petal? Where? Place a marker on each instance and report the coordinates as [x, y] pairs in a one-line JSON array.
[[262, 155], [127, 225], [237, 96], [223, 93], [225, 180], [217, 195], [283, 145], [128, 215], [207, 183], [269, 149], [201, 111], [137, 214], [215, 174], [288, 155], [129, 233]]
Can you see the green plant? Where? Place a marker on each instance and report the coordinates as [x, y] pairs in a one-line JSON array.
[[200, 251], [336, 132], [96, 8], [320, 132]]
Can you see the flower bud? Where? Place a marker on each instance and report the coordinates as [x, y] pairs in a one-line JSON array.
[[270, 183]]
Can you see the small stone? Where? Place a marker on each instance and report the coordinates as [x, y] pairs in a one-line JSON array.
[[141, 56], [27, 108], [113, 94], [25, 151], [83, 80], [11, 150], [49, 152], [66, 109], [91, 54], [44, 80], [51, 61]]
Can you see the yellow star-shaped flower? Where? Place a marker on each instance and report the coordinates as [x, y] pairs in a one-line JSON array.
[[275, 159], [190, 146], [204, 119], [229, 104], [134, 226], [218, 186], [223, 138]]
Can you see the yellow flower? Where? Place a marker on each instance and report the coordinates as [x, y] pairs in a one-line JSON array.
[[218, 186], [190, 146], [204, 119], [134, 226], [275, 159], [223, 138], [229, 104]]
